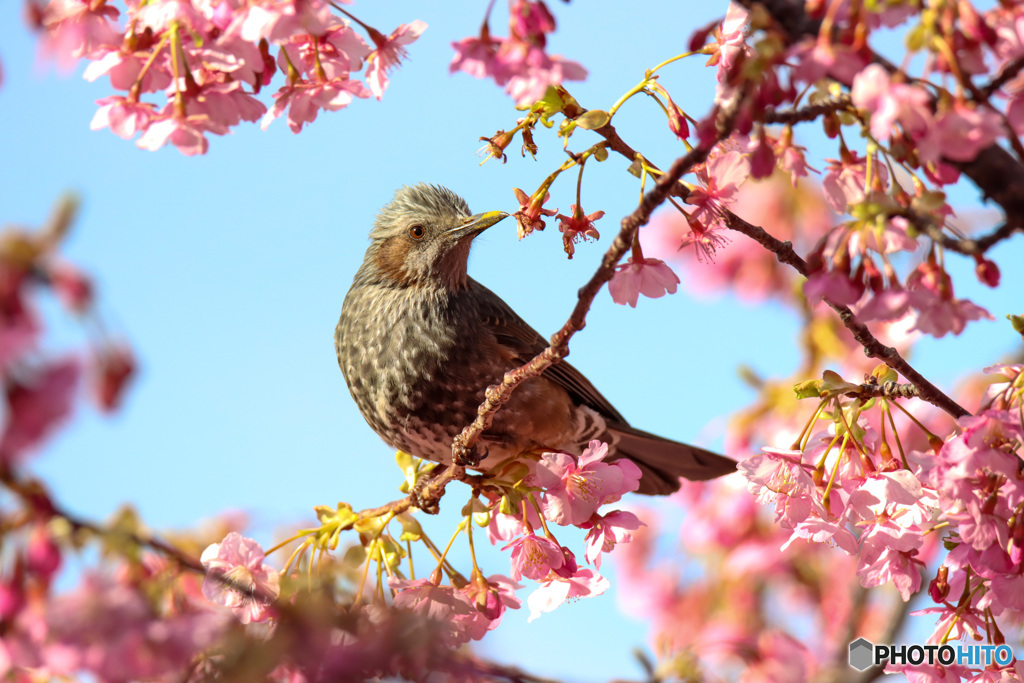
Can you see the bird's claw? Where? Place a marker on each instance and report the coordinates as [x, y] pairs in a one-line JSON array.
[[468, 456], [425, 494]]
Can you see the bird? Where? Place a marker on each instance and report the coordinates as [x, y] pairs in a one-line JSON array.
[[419, 341]]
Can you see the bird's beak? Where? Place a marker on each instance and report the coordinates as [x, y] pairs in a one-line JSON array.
[[476, 224]]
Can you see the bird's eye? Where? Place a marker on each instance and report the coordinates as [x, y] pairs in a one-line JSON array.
[[417, 232]]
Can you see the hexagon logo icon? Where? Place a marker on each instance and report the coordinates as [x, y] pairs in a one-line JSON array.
[[861, 651]]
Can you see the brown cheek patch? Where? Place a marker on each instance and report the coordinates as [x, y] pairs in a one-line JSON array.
[[390, 258]]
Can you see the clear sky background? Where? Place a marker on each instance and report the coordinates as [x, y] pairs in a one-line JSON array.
[[227, 272]]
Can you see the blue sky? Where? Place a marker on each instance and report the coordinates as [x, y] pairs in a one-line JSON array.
[[227, 273]]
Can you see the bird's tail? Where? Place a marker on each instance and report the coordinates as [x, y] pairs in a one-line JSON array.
[[663, 461]]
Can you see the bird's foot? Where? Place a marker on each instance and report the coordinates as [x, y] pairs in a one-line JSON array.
[[467, 456], [426, 494]]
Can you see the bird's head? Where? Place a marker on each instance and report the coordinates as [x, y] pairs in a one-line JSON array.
[[422, 237]]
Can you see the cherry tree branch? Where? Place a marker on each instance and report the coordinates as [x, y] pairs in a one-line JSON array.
[[873, 348], [38, 499]]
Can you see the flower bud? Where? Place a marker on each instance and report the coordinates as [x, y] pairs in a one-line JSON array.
[[42, 557], [938, 589], [987, 272]]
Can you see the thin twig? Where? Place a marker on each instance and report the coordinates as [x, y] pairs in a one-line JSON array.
[[1005, 75], [968, 246], [888, 390], [808, 113]]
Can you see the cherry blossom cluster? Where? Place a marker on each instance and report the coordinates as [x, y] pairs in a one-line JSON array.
[[518, 62], [209, 59], [727, 620], [891, 191], [40, 390], [858, 487], [915, 129], [100, 625], [518, 505]]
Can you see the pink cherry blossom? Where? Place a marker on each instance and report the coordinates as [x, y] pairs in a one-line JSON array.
[[449, 609], [888, 238], [993, 429], [938, 311], [730, 44], [112, 631], [503, 528], [575, 490], [651, 277], [335, 54], [113, 368], [530, 215], [720, 179], [236, 577], [519, 62], [677, 121], [42, 556], [1011, 379], [278, 20], [889, 103], [585, 583], [303, 100], [78, 28], [815, 58], [832, 285], [762, 158], [478, 56], [845, 181], [531, 71], [530, 20], [226, 104], [187, 133], [577, 226], [888, 305], [959, 133], [72, 286], [606, 531], [534, 557], [490, 597], [791, 158], [36, 404], [123, 117], [388, 53], [779, 476], [124, 69], [160, 16]]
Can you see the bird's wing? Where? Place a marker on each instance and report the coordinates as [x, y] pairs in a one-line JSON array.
[[523, 342]]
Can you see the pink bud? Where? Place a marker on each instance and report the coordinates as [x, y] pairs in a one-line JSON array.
[[115, 366], [73, 288], [987, 272], [42, 557], [938, 589], [569, 567], [762, 159], [12, 598]]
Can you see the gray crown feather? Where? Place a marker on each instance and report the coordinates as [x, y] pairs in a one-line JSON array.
[[429, 202]]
